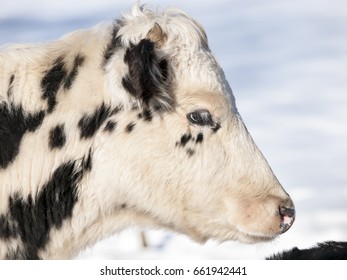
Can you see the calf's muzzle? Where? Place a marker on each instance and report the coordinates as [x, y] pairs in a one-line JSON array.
[[287, 213]]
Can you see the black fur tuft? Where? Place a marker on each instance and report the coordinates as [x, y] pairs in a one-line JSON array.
[[78, 62], [58, 76], [216, 127], [10, 85], [114, 44], [190, 152], [110, 126], [130, 127], [14, 123], [185, 139], [89, 124], [330, 250], [57, 137], [147, 79], [87, 161], [52, 81], [199, 138], [32, 218], [146, 115]]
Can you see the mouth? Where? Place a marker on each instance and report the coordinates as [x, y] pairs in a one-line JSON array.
[[251, 237], [235, 234], [251, 233]]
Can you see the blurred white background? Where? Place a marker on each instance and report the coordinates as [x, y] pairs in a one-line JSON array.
[[286, 62]]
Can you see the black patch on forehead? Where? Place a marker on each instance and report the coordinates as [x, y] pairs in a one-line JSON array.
[[89, 124], [14, 123], [57, 137], [140, 59], [10, 86], [114, 44], [52, 81], [129, 128], [78, 62], [34, 217], [148, 74]]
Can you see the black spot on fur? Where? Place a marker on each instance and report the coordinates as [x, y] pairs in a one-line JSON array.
[[110, 126], [216, 127], [146, 115], [190, 152], [114, 44], [89, 124], [58, 76], [10, 86], [87, 161], [78, 62], [330, 250], [14, 123], [147, 78], [57, 137], [199, 138], [33, 121], [32, 218], [117, 109], [185, 139], [129, 128], [52, 81]]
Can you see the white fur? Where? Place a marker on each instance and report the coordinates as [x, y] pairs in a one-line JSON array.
[[225, 191]]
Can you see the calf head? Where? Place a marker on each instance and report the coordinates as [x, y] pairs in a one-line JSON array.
[[181, 156], [142, 128]]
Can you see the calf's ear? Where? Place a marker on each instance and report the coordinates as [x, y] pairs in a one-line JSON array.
[[148, 78], [157, 35]]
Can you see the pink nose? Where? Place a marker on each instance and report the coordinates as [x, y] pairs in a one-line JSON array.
[[288, 216]]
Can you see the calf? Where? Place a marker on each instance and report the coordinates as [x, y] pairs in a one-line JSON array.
[[127, 123]]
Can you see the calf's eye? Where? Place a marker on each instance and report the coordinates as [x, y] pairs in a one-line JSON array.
[[200, 117]]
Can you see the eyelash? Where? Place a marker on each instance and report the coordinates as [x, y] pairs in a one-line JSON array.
[[200, 117]]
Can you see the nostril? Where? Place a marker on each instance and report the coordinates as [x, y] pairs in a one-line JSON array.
[[287, 217], [286, 211]]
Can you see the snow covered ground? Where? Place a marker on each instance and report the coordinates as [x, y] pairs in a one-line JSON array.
[[287, 64]]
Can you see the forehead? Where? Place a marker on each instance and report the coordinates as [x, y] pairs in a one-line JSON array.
[[214, 101], [200, 81]]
